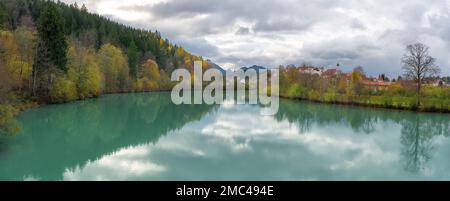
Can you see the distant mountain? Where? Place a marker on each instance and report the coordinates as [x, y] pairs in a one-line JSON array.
[[255, 67], [215, 66]]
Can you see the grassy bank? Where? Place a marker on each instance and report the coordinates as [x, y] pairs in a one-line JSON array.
[[433, 99], [382, 102], [429, 103]]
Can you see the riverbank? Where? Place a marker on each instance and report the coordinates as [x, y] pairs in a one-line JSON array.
[[8, 113], [434, 105], [373, 106]]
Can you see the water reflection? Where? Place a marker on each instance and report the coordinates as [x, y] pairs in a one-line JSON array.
[[56, 137], [145, 137], [418, 134], [418, 137]]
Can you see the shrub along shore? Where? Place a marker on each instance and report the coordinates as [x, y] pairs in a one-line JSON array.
[[354, 89], [378, 103], [8, 113]]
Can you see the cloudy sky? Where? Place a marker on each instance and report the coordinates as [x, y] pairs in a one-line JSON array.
[[235, 33]]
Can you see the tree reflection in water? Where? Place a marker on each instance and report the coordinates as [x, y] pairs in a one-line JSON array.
[[356, 142], [417, 133], [59, 136]]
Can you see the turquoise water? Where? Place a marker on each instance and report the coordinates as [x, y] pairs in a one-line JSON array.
[[146, 137]]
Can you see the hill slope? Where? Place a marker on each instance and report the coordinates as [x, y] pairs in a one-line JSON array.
[[51, 52]]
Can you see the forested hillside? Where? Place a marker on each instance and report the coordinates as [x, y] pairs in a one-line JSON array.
[[51, 52]]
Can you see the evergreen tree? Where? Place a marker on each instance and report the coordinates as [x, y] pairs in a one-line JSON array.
[[133, 59], [51, 51], [84, 9], [51, 33], [101, 32], [3, 16]]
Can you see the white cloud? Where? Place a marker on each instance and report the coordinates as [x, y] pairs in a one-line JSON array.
[[368, 33], [124, 164]]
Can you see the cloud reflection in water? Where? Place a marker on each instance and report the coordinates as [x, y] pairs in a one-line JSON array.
[[235, 143]]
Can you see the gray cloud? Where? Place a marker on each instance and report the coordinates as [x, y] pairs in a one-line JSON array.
[[200, 46], [357, 24], [265, 32], [243, 31], [282, 24]]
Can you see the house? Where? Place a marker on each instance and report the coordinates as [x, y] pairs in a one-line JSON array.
[[440, 83], [376, 84], [329, 73], [311, 70]]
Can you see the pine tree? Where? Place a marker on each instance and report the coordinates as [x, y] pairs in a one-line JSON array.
[[51, 33], [51, 51], [133, 59], [3, 16], [84, 9]]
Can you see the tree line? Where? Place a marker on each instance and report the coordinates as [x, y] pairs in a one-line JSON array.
[[411, 91]]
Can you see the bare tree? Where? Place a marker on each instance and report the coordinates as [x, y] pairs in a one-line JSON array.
[[418, 65]]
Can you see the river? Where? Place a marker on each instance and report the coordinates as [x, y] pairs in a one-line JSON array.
[[146, 137]]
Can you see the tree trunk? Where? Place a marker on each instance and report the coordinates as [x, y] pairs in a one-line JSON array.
[[419, 94], [33, 90]]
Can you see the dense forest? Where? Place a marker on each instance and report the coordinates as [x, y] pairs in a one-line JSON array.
[[51, 52]]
